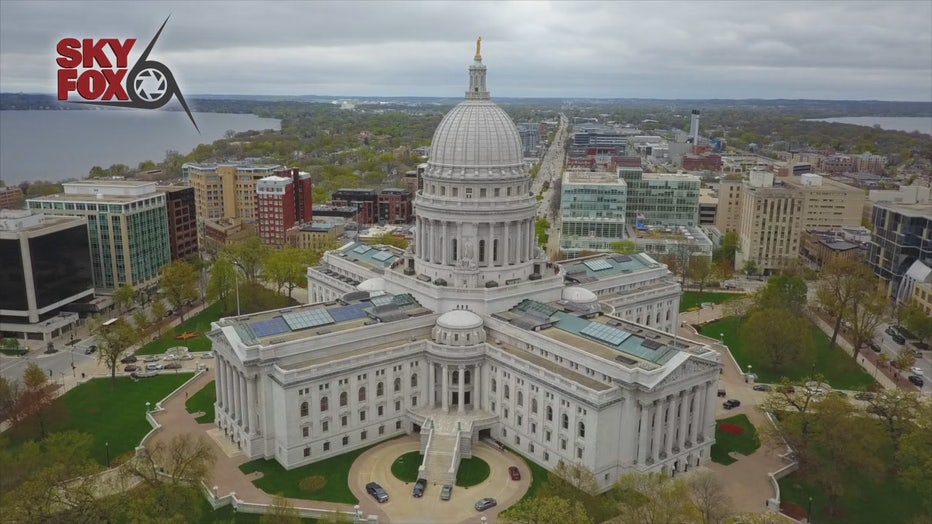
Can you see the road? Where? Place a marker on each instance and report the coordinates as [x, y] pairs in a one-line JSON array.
[[551, 169], [890, 348]]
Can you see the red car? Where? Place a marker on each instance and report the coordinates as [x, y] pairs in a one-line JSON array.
[[514, 473]]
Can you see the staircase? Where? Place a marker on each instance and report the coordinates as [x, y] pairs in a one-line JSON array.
[[440, 458]]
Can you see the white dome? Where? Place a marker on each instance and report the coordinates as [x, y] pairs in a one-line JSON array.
[[476, 133], [373, 284], [579, 295], [459, 319]]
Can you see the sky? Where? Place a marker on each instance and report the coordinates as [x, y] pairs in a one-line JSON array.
[[852, 50]]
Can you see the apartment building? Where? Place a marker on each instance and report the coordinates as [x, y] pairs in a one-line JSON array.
[[902, 236], [282, 201], [770, 224], [661, 199], [182, 221], [827, 204]]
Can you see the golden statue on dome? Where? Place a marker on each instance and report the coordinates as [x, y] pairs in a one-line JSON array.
[[478, 48]]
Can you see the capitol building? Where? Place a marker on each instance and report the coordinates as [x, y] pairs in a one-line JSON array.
[[470, 334]]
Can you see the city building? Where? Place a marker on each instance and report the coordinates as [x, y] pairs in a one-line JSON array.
[[224, 232], [786, 169], [282, 201], [827, 204], [127, 225], [315, 236], [395, 206], [11, 197], [728, 214], [658, 241], [530, 138], [708, 206], [770, 225], [902, 235], [225, 190], [922, 296], [592, 211], [661, 199], [364, 201], [471, 333], [45, 265], [182, 221], [819, 247]]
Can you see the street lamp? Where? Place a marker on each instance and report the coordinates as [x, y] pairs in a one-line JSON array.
[[809, 511], [722, 335], [147, 407], [107, 445]]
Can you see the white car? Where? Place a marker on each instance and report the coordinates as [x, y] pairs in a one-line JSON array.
[[916, 370]]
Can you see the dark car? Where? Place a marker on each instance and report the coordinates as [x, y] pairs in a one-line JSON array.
[[377, 492], [486, 503], [916, 380], [899, 339], [172, 365], [890, 330], [128, 360], [419, 487], [722, 393], [130, 368], [731, 403], [514, 473], [762, 387], [874, 347], [446, 492], [90, 349]]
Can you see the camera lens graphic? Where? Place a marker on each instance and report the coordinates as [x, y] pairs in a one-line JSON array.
[[151, 85]]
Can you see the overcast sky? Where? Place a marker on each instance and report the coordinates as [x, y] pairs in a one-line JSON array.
[[788, 49]]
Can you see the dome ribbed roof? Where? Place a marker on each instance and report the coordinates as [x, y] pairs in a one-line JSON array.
[[476, 133], [459, 319]]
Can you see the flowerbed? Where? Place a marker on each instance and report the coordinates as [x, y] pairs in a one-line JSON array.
[[732, 429]]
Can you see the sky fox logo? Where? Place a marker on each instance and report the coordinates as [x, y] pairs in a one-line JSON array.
[[98, 72]]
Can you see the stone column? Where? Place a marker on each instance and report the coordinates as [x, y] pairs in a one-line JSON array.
[[683, 420], [709, 421], [477, 387], [507, 238], [251, 404], [444, 243], [671, 426], [431, 385], [228, 387], [700, 409], [658, 427], [244, 414], [237, 401], [461, 395], [643, 435], [219, 385], [693, 419], [445, 391]]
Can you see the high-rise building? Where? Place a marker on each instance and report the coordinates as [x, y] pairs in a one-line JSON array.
[[11, 197], [282, 201], [225, 190], [728, 214], [708, 206], [182, 221], [592, 211], [901, 236], [127, 227], [827, 204], [45, 264], [661, 199], [770, 224]]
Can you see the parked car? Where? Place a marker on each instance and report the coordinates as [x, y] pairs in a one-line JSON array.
[[128, 359], [446, 492], [486, 503], [916, 370], [762, 387], [209, 354], [874, 347], [131, 367], [172, 365], [890, 330], [838, 393], [786, 389], [731, 403], [419, 487], [898, 338], [722, 393], [916, 380], [90, 349], [186, 356], [151, 358], [168, 357], [514, 473], [377, 492], [143, 374], [155, 366], [865, 395]]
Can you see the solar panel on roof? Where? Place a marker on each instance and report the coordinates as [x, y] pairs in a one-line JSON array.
[[621, 258], [269, 328], [347, 313], [597, 265], [361, 249], [605, 333], [308, 319], [382, 256], [403, 300], [652, 344], [381, 300]]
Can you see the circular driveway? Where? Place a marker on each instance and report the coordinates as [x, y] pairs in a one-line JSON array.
[[402, 507]]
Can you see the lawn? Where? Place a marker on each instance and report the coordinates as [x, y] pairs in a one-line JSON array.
[[726, 442], [472, 471], [865, 500], [276, 480], [839, 369], [199, 323], [693, 299], [114, 417], [405, 467], [204, 401]]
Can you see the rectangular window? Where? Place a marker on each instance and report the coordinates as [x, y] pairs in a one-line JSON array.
[[362, 436], [381, 430], [362, 416], [326, 446], [397, 424], [380, 410], [345, 441], [343, 421], [307, 452], [325, 425], [305, 431]]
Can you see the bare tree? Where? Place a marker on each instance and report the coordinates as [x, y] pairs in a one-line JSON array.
[[281, 511], [844, 283], [708, 497], [186, 458]]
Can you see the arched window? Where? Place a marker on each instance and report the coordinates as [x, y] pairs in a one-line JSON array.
[[549, 413], [668, 314], [454, 249], [582, 429], [304, 409], [520, 398], [414, 380], [533, 405], [467, 376], [482, 251], [324, 403], [456, 377], [343, 399], [397, 384], [507, 391], [494, 384], [362, 394], [566, 421], [379, 389]]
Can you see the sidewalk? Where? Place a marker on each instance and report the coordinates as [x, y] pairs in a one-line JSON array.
[[864, 359]]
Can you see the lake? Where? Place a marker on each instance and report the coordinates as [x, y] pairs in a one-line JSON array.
[[923, 124], [57, 145]]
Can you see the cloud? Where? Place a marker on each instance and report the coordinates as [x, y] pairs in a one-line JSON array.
[[838, 50]]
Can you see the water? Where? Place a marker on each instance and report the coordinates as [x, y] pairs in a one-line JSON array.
[[923, 124], [57, 145]]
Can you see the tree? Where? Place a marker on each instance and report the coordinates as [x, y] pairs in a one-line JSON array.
[[112, 342], [571, 481], [287, 267], [863, 317], [904, 360], [783, 292], [726, 253], [36, 398], [186, 458], [778, 339], [10, 393], [249, 256], [699, 270], [158, 311], [179, 285], [844, 282], [547, 510], [918, 322], [281, 511], [140, 322], [389, 239], [749, 267], [914, 457], [677, 260], [624, 247], [542, 231], [898, 409], [222, 282], [708, 498], [654, 498], [124, 296]]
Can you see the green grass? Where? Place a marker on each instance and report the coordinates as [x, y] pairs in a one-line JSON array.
[[692, 299], [112, 416], [277, 480], [204, 401], [405, 467], [200, 323], [865, 500], [839, 368], [745, 443], [538, 478], [472, 471]]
